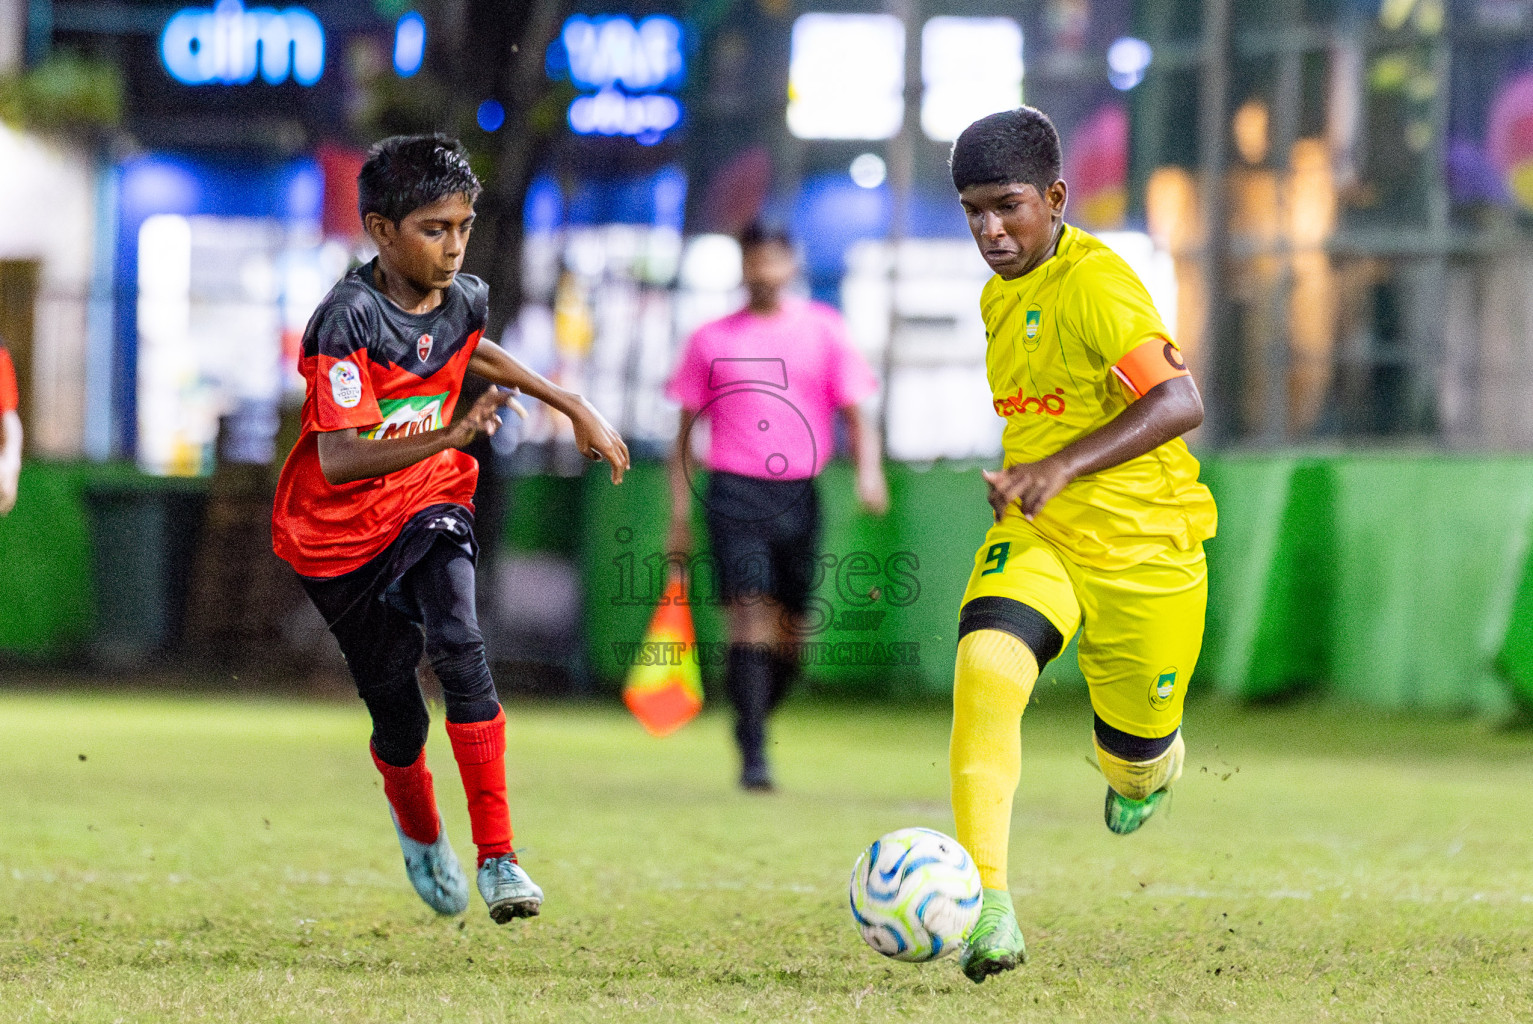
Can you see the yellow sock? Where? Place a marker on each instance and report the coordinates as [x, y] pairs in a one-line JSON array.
[[1138, 779], [992, 681]]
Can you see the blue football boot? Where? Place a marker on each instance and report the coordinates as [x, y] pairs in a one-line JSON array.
[[434, 870]]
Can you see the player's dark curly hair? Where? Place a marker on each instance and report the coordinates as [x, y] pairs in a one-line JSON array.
[[405, 172], [1014, 146]]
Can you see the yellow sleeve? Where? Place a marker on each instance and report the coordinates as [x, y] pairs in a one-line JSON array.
[[1110, 309]]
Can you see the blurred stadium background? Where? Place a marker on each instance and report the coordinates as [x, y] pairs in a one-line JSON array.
[[1331, 200]]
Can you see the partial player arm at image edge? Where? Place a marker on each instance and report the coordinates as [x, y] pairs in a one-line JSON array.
[[10, 398]]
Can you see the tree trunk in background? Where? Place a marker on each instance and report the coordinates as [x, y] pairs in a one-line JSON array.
[[530, 128]]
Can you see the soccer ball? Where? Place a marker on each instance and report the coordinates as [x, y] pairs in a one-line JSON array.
[[915, 895]]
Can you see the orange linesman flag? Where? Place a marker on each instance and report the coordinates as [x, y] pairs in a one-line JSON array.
[[664, 689]]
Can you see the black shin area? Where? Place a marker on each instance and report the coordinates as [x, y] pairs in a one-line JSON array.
[[1128, 746], [441, 588], [382, 648], [785, 672], [1022, 621], [748, 677]]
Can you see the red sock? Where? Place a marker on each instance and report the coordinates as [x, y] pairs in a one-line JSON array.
[[480, 748], [410, 794]]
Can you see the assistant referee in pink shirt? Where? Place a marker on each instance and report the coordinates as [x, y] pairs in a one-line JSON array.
[[768, 381]]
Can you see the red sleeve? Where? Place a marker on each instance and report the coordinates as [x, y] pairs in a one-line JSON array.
[[10, 400], [339, 376]]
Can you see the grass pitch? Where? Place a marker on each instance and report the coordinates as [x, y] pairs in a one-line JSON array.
[[173, 859]]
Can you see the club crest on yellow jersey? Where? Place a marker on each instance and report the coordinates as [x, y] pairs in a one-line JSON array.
[[1162, 688], [1032, 327]]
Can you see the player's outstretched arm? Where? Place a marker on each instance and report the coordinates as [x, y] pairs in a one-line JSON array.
[[1164, 412], [10, 460], [346, 457], [594, 436]]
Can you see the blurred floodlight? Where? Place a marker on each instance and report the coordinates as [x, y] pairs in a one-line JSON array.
[[868, 170], [229, 44], [1127, 61], [846, 76], [970, 67], [490, 115], [1249, 127], [165, 256], [168, 368], [711, 263], [586, 255], [611, 50], [409, 44]]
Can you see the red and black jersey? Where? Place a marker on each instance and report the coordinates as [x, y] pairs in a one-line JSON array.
[[368, 364], [10, 400]]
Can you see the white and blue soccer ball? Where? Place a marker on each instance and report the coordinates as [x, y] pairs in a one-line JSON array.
[[915, 895]]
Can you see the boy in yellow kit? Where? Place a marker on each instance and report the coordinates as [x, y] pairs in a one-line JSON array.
[[1099, 515]]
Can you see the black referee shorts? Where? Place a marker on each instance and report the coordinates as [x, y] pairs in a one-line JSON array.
[[765, 536]]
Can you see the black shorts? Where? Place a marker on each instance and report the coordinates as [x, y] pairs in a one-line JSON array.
[[416, 596], [337, 597], [765, 536]]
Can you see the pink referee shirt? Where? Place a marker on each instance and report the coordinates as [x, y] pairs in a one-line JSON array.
[[770, 386]]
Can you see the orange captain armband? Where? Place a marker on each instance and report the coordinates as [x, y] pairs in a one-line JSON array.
[[1154, 362]]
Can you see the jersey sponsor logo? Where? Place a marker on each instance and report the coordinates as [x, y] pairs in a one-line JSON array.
[[346, 384], [1162, 688], [423, 347], [1032, 325], [1021, 404], [404, 417]]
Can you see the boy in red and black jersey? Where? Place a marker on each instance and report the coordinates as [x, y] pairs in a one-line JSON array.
[[374, 508], [372, 367], [10, 432]]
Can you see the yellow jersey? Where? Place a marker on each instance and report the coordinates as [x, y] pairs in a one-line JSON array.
[[1054, 336]]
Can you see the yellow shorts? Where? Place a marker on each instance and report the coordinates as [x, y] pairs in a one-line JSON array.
[[1141, 627]]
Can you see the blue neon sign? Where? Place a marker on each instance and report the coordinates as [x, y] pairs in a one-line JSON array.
[[229, 44], [632, 67], [611, 50], [609, 112]]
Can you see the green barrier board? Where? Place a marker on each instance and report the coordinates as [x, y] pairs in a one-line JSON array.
[[1428, 557], [46, 590], [1391, 581]]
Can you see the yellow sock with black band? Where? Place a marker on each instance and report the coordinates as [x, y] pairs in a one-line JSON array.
[[1136, 780], [992, 681]]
